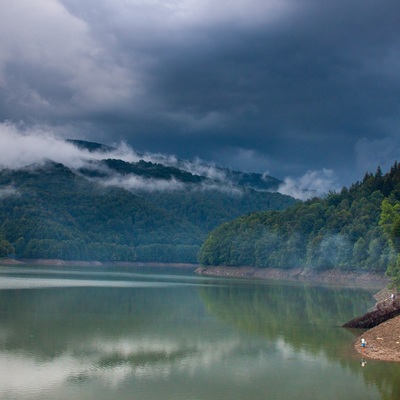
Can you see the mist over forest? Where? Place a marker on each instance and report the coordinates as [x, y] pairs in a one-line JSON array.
[[357, 228], [78, 200]]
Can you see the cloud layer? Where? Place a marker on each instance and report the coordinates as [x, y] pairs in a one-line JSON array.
[[21, 147], [283, 86], [311, 184]]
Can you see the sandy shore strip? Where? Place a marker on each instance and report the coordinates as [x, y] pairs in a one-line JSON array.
[[383, 341]]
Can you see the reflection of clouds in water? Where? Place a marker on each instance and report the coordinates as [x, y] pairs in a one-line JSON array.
[[149, 357], [40, 283], [112, 362], [37, 374], [127, 347], [288, 352], [42, 375], [101, 365]]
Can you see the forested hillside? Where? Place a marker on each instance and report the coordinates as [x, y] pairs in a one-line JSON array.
[[110, 209], [358, 228]]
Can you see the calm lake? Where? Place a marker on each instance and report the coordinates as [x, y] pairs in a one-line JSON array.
[[124, 333]]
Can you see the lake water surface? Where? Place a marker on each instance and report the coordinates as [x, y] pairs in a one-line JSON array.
[[118, 333]]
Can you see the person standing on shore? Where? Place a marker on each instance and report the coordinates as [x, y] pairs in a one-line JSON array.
[[363, 344]]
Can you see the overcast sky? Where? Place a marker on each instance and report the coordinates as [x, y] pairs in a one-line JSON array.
[[292, 87]]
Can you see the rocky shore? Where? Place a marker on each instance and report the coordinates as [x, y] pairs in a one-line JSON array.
[[384, 309]]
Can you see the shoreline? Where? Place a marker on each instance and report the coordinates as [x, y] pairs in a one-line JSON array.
[[363, 279]]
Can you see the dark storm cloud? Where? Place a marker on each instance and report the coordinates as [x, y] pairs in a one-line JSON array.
[[284, 86]]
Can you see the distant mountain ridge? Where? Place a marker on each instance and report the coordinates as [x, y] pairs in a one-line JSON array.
[[114, 210], [90, 146], [256, 181]]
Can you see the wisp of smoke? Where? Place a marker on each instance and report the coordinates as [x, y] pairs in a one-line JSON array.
[[225, 188], [197, 167], [265, 176], [137, 183], [336, 249], [311, 184], [8, 191]]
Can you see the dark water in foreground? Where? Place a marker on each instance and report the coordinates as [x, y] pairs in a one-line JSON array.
[[164, 334]]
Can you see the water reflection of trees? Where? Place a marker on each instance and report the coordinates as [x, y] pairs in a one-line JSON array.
[[101, 332], [46, 323], [308, 318], [304, 316], [50, 321]]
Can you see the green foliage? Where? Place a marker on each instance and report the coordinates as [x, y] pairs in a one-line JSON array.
[[55, 212], [345, 230], [390, 224], [148, 169], [6, 249]]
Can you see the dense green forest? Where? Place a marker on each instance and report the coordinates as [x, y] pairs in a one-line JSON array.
[[91, 213], [358, 228], [52, 211]]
